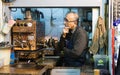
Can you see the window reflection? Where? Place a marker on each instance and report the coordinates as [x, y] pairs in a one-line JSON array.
[[50, 21]]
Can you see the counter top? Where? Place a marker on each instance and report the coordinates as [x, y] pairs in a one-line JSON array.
[[12, 70], [48, 63]]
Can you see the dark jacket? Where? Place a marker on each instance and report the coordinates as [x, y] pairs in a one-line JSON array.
[[73, 46], [78, 41]]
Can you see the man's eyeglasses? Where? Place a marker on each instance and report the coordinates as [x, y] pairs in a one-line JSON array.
[[66, 20]]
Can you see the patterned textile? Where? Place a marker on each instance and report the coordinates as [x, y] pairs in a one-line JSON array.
[[99, 37]]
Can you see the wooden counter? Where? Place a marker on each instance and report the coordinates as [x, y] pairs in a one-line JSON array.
[[49, 64], [12, 70], [8, 70]]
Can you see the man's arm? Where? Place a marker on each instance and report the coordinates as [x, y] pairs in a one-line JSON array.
[[79, 45]]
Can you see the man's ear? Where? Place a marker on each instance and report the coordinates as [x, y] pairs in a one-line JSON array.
[[76, 23]]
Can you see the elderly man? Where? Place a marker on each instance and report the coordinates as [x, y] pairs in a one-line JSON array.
[[75, 41]]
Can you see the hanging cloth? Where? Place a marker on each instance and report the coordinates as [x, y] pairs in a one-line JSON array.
[[99, 37]]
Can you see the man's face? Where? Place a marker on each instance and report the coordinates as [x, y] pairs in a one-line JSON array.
[[70, 20], [69, 24]]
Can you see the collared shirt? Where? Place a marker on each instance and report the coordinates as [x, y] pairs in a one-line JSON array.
[[73, 30]]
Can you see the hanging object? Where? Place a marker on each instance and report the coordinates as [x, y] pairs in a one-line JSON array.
[[99, 38], [116, 22], [7, 27], [51, 19]]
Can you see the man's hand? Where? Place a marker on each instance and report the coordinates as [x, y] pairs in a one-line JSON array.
[[62, 54], [65, 31]]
